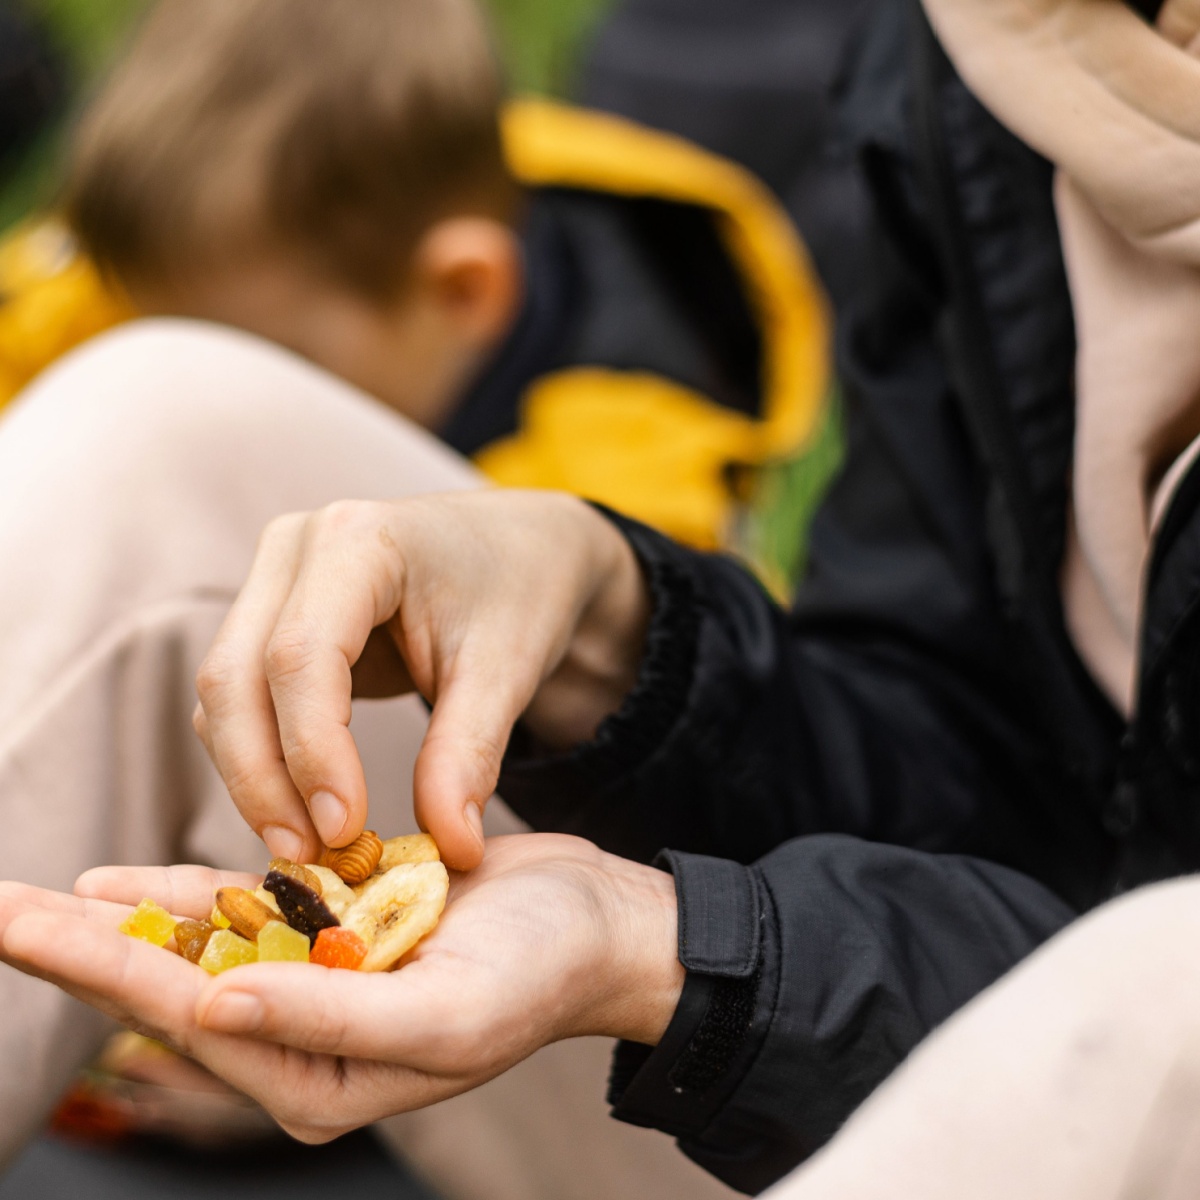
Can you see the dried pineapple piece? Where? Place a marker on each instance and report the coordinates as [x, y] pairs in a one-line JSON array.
[[225, 950], [149, 923], [281, 943]]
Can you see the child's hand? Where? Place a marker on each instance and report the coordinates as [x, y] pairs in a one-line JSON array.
[[490, 604], [550, 938]]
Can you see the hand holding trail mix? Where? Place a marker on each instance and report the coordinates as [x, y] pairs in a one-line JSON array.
[[363, 908]]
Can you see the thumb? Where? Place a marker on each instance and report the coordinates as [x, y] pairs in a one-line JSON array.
[[459, 763]]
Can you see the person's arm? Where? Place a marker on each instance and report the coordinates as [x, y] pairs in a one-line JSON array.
[[811, 975]]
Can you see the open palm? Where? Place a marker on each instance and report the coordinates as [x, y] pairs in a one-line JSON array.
[[549, 938]]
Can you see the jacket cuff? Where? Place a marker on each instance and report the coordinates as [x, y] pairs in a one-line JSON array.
[[726, 943], [627, 739]]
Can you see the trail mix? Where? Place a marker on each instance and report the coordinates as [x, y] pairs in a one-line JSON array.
[[362, 909]]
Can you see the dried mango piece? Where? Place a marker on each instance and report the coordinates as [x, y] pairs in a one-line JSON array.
[[281, 943], [218, 918], [225, 950], [337, 947], [192, 937], [149, 923]]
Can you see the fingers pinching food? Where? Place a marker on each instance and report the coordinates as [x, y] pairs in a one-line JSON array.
[[366, 907]]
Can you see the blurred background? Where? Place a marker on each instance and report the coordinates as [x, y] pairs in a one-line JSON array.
[[759, 64], [541, 41], [65, 46]]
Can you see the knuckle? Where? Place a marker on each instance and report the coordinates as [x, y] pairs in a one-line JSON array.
[[215, 675], [281, 531], [289, 653], [344, 517]]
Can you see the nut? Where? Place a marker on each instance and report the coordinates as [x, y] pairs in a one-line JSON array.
[[300, 874], [356, 862], [244, 911]]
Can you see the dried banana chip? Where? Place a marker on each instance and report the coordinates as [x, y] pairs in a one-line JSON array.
[[396, 910], [414, 848]]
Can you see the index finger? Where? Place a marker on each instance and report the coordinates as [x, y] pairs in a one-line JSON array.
[[240, 729], [348, 583]]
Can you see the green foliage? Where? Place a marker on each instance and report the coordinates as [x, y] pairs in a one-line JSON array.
[[87, 31], [538, 38], [787, 494]]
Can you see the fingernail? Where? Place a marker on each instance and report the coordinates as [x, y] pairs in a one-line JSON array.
[[235, 1012], [329, 815], [474, 822], [283, 842]]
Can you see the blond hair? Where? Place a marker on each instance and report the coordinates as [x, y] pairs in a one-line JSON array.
[[336, 129]]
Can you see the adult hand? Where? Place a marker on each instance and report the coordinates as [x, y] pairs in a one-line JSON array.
[[550, 938], [1113, 101], [491, 604]]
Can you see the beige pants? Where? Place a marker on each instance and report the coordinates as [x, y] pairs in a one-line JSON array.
[[135, 477], [1075, 1077]]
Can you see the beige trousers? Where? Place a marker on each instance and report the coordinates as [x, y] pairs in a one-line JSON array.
[[135, 477], [1075, 1077]]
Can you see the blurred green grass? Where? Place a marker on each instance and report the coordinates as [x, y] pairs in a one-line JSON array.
[[539, 40]]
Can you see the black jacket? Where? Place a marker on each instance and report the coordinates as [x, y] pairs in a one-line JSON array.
[[878, 803]]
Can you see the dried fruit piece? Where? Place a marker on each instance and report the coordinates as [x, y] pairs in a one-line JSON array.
[[225, 950], [301, 874], [336, 895], [356, 862], [149, 923], [303, 909], [192, 937], [262, 894], [396, 910], [246, 914], [413, 848], [218, 918], [281, 943], [339, 948]]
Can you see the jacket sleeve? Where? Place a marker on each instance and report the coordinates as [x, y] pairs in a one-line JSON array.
[[811, 975], [838, 809]]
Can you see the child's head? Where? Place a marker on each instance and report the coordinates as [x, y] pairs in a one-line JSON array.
[[327, 173]]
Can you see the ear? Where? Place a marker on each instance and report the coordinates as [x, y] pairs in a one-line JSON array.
[[471, 269]]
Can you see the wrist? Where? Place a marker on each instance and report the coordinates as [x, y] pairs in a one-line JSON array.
[[601, 663], [638, 975]]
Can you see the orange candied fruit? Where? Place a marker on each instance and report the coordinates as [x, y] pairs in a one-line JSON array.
[[338, 947]]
